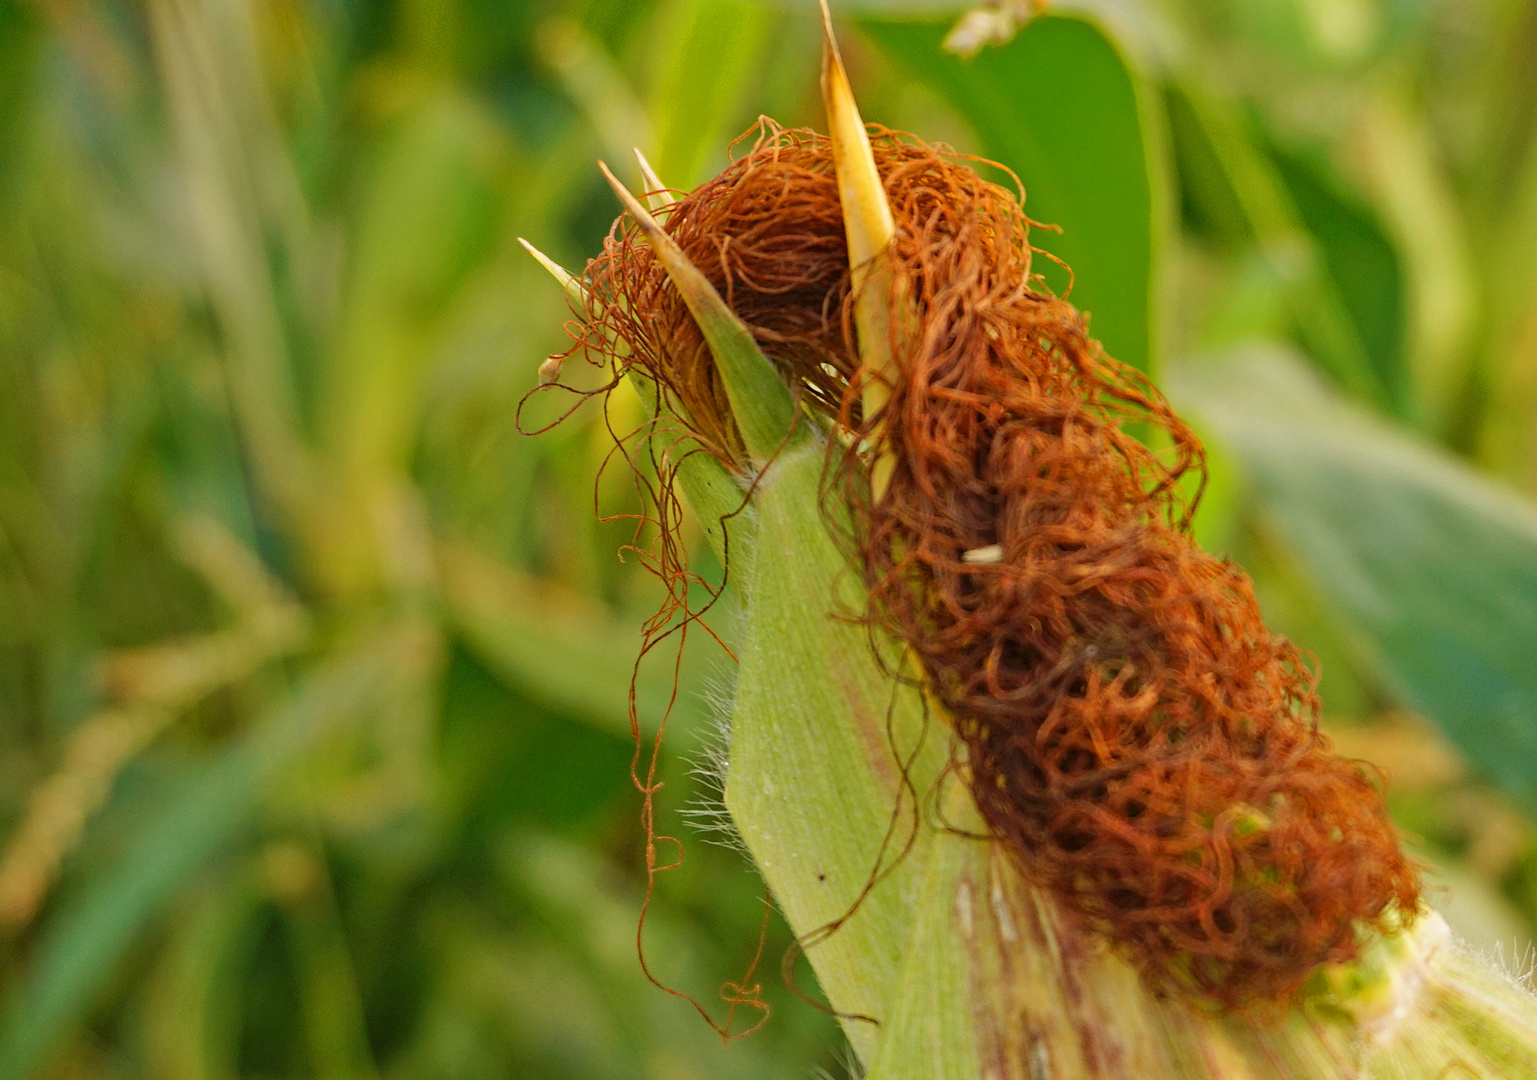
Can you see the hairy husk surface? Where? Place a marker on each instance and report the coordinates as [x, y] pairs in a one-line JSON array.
[[1140, 743]]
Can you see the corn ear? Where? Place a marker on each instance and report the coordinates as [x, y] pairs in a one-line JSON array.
[[940, 959], [945, 961], [970, 970]]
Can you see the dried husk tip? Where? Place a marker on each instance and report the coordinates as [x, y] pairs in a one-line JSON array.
[[880, 308], [549, 370]]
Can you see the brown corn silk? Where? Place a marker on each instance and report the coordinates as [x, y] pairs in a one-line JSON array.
[[1145, 748]]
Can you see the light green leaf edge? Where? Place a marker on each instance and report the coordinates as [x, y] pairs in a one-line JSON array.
[[1268, 213]]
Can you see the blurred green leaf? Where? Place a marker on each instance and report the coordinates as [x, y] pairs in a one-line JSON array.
[[330, 1005], [1234, 188], [710, 48], [592, 79], [908, 8], [247, 218], [428, 214], [1403, 169], [574, 894], [562, 648], [1509, 363], [1359, 256], [1431, 568], [82, 944], [18, 49], [191, 1023], [1064, 108]]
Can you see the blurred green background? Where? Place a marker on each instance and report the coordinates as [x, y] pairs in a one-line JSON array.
[[314, 748]]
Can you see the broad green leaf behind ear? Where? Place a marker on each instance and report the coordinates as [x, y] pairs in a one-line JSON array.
[[1432, 567]]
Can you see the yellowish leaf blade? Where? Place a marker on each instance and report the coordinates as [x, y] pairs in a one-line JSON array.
[[866, 213]]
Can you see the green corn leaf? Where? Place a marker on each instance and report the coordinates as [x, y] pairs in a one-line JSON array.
[[1431, 567], [1360, 258], [1240, 194]]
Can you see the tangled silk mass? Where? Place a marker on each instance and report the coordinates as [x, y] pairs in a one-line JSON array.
[[1134, 735]]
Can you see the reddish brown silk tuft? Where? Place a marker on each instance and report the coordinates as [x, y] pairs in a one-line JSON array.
[[1141, 743]]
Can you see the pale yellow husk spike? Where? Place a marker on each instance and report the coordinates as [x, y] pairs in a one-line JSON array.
[[549, 371], [869, 228], [656, 196], [574, 288]]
